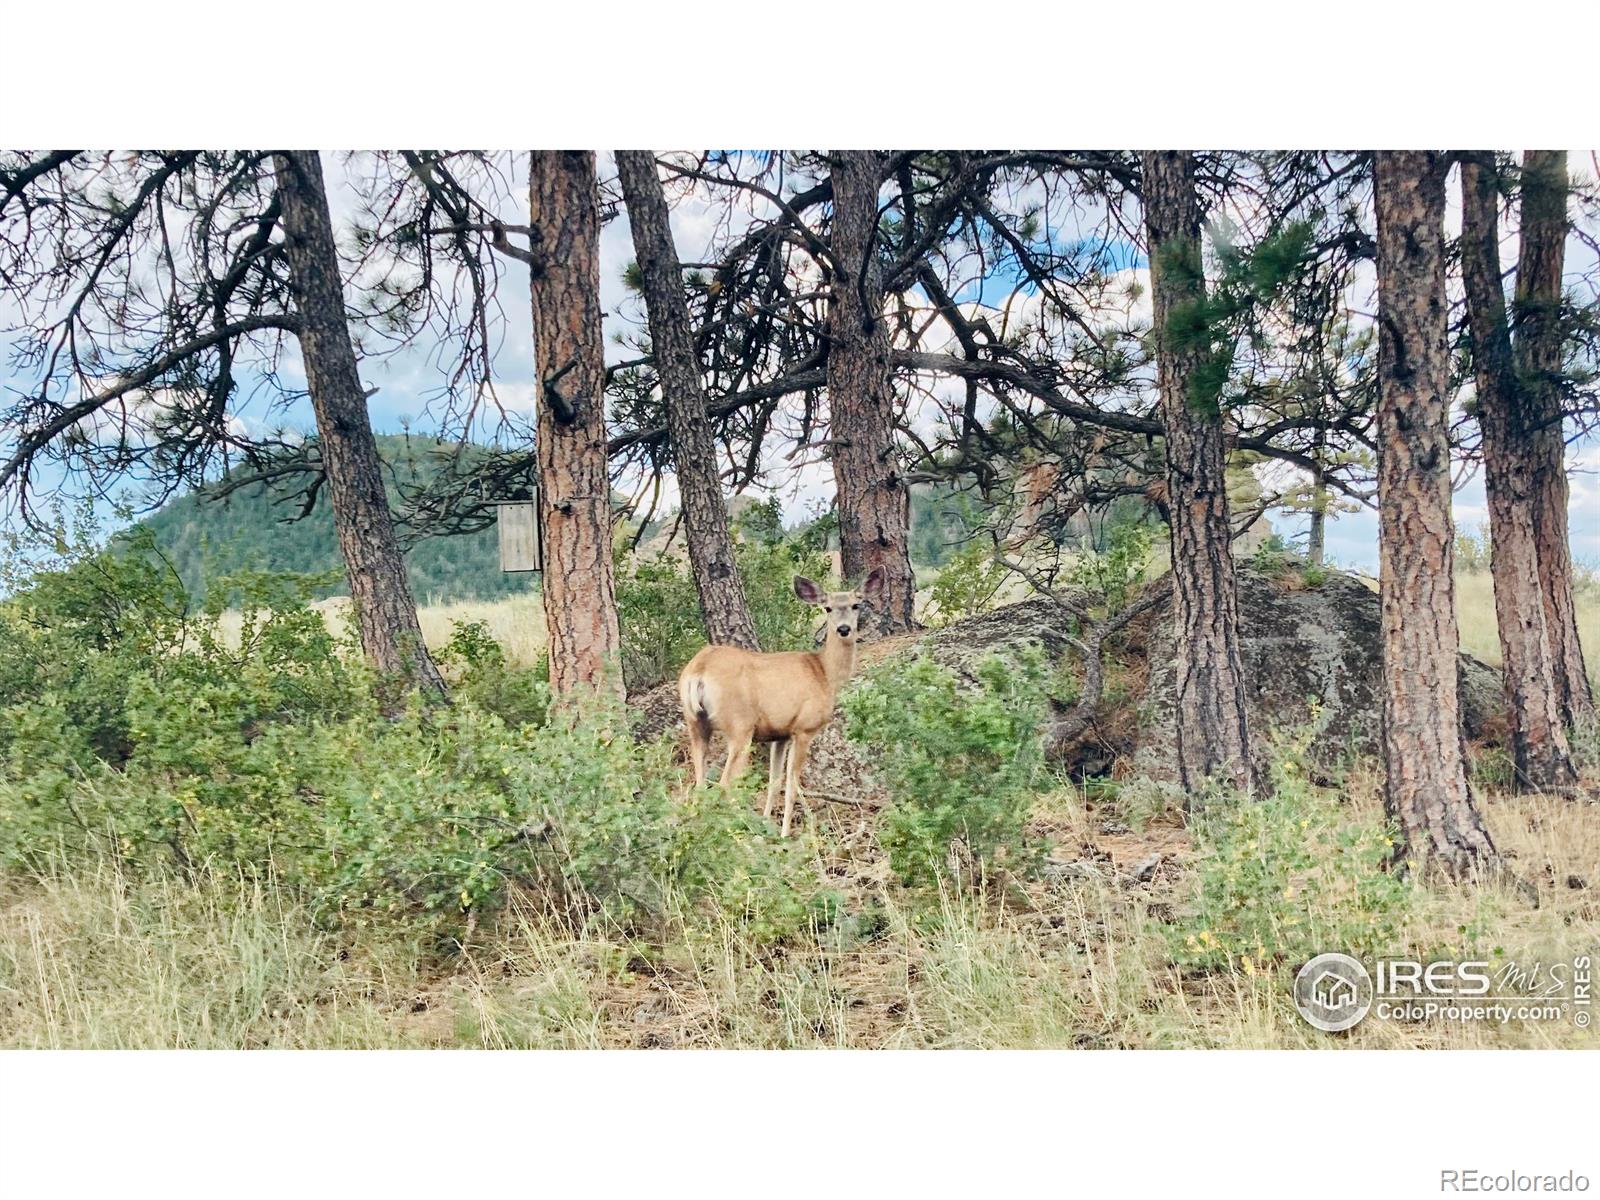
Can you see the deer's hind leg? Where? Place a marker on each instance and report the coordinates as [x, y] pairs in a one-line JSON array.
[[699, 743], [738, 754], [775, 772], [799, 745]]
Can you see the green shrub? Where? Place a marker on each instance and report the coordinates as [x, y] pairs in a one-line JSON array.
[[79, 626], [725, 855], [444, 811], [480, 674], [145, 728], [967, 584], [1275, 556], [962, 764], [767, 570], [1283, 879], [659, 612], [1112, 570], [267, 753]]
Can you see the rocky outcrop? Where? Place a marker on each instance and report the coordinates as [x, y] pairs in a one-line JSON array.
[[1005, 631], [1312, 655]]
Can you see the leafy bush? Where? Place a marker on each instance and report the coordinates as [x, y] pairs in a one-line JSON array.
[[136, 728], [108, 661], [1111, 570], [967, 585], [962, 763], [721, 853], [1282, 879], [659, 612], [480, 674], [1275, 556], [79, 626], [767, 569]]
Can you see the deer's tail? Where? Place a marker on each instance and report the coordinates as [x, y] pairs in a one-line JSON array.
[[696, 706]]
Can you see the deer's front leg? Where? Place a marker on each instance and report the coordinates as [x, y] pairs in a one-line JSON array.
[[775, 765], [799, 744]]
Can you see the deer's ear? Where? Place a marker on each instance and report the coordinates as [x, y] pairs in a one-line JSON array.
[[806, 590], [873, 583]]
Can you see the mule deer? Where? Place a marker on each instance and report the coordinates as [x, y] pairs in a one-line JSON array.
[[784, 699]]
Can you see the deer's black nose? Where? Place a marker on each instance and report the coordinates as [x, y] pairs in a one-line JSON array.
[[844, 631]]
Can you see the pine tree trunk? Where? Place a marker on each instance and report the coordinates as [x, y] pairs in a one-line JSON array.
[[380, 593], [1317, 533], [580, 607], [873, 498], [694, 452], [1425, 786], [1213, 732], [1538, 365], [1538, 738]]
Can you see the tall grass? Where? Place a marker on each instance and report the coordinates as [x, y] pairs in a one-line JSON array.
[[92, 957], [1480, 634]]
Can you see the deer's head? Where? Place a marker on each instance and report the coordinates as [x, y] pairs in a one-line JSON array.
[[842, 609]]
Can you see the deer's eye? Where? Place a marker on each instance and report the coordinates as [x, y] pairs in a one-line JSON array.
[[855, 606], [827, 608]]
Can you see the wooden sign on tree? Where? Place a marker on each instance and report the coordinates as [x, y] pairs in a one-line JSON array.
[[521, 548]]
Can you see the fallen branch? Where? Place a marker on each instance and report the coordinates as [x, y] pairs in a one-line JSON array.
[[858, 801]]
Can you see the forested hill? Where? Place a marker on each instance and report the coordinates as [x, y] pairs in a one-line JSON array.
[[206, 536], [252, 528]]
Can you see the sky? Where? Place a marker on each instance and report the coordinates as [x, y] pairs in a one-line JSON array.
[[406, 378]]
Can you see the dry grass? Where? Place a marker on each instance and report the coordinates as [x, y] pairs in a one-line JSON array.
[[92, 958], [517, 624], [1480, 632]]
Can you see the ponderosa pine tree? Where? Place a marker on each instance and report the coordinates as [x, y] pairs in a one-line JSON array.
[[1537, 351], [692, 448], [580, 605], [1425, 778], [380, 592], [874, 499], [1213, 729], [1539, 748]]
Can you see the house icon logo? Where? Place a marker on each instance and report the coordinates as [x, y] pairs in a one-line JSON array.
[[1333, 992]]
